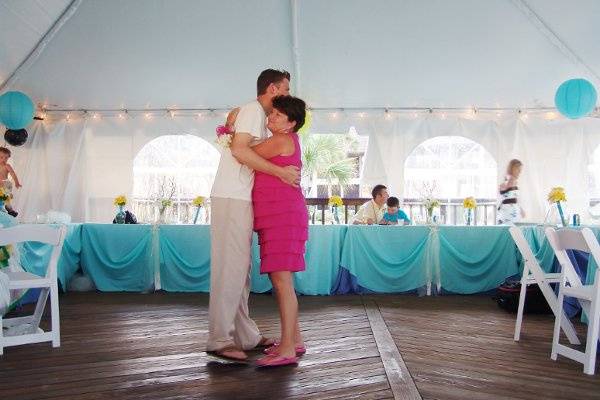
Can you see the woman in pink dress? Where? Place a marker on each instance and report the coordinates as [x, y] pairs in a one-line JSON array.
[[281, 221]]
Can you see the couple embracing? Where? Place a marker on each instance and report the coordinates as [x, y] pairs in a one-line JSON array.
[[257, 187]]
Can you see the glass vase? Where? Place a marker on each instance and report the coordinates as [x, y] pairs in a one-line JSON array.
[[120, 217], [336, 215], [469, 217], [429, 216]]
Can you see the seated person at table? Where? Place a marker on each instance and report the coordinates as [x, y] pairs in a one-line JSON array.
[[372, 211], [394, 215]]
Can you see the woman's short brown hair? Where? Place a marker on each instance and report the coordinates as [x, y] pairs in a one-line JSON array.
[[293, 107]]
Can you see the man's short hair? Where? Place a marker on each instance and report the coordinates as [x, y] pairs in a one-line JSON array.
[[393, 202], [5, 151], [377, 190], [269, 76]]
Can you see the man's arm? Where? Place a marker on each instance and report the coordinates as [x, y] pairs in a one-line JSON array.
[[241, 150], [359, 216], [12, 173]]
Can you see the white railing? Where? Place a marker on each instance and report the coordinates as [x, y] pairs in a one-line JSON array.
[[180, 212], [451, 211]]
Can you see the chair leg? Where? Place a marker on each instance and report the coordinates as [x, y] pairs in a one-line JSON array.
[[592, 340], [1, 337], [39, 308], [557, 320], [55, 316], [521, 308]]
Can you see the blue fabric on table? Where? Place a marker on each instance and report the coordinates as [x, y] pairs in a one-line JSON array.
[[184, 258], [476, 259], [118, 257], [347, 283], [35, 256], [323, 253], [388, 259]]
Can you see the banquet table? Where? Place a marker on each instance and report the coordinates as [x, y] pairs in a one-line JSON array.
[[339, 258]]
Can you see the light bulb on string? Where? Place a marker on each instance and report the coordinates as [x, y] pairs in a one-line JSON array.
[[388, 115]]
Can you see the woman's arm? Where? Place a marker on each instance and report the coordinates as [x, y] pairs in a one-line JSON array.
[[274, 146]]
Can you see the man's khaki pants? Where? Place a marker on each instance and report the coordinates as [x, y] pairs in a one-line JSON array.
[[230, 252]]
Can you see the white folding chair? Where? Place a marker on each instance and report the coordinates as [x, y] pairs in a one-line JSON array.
[[587, 295], [25, 280], [534, 274]]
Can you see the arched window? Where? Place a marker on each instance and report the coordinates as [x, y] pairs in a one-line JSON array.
[[176, 168], [452, 168]]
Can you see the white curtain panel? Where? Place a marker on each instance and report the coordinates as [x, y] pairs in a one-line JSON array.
[[79, 166]]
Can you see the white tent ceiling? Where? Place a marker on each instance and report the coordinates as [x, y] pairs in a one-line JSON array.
[[350, 53]]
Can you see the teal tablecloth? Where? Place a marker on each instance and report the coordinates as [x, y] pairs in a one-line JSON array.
[[35, 256], [387, 259], [118, 257]]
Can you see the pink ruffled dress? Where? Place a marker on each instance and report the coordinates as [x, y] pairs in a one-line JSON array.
[[280, 218]]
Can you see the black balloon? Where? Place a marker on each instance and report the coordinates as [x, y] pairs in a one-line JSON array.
[[16, 137]]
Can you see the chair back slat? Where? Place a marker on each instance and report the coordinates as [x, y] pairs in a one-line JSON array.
[[522, 244], [31, 233], [571, 239]]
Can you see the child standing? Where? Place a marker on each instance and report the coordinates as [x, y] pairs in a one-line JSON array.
[[5, 171], [394, 215]]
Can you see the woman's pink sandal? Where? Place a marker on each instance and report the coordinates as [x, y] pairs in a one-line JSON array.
[[274, 360], [300, 350]]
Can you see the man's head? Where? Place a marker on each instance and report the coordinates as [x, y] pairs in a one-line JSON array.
[[271, 83], [380, 194], [392, 205], [4, 155]]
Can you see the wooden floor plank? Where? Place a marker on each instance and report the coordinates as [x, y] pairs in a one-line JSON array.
[[401, 382], [459, 347], [151, 346]]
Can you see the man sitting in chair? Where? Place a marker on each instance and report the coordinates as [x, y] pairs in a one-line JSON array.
[[372, 211]]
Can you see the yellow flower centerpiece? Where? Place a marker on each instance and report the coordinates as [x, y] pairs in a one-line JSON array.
[[120, 202], [335, 202], [556, 195], [469, 205], [198, 202]]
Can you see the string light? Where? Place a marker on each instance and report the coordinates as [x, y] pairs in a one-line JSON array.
[[443, 113]]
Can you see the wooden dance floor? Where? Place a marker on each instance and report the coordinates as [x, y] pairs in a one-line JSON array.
[[151, 346]]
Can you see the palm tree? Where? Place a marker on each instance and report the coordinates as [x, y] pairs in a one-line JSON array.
[[325, 156]]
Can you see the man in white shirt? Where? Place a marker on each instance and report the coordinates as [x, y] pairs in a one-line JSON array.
[[231, 330], [372, 211]]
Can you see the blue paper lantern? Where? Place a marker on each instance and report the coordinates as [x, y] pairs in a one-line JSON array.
[[16, 110], [575, 98]]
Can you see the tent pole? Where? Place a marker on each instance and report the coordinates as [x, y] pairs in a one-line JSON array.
[[41, 45]]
